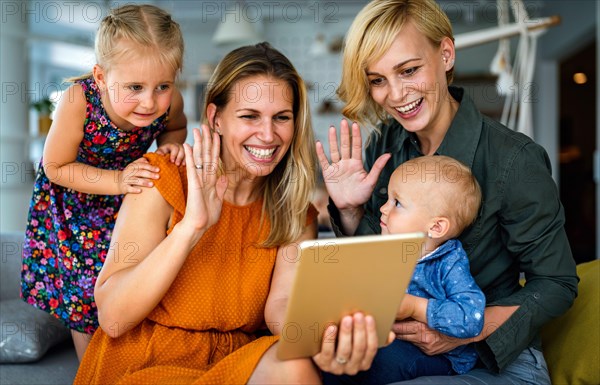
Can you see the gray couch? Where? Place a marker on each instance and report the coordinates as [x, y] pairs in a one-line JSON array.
[[28, 333]]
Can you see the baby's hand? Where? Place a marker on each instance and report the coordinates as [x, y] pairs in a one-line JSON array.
[[177, 155], [137, 173], [407, 307]]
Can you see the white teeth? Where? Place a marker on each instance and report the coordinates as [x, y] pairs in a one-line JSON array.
[[263, 153], [409, 106]]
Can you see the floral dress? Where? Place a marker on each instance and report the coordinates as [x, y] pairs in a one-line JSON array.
[[68, 232]]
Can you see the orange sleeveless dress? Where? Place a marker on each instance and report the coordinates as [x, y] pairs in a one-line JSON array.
[[202, 331]]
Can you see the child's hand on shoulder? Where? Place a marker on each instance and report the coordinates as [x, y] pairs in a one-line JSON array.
[[175, 150], [139, 173]]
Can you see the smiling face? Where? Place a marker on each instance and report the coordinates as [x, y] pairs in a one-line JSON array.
[[136, 91], [256, 125], [409, 82]]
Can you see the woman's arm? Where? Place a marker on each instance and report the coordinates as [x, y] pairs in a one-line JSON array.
[[532, 224], [432, 342], [143, 262], [62, 145], [283, 276]]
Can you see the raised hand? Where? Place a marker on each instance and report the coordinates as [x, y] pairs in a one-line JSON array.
[[205, 188], [346, 180], [138, 173]]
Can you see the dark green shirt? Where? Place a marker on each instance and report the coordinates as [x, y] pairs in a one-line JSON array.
[[520, 227]]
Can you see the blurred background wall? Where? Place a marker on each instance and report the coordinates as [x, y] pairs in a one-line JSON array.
[[43, 42]]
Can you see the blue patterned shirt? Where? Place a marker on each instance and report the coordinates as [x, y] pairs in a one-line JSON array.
[[456, 304]]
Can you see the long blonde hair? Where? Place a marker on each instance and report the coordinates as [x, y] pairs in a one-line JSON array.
[[288, 189], [371, 34], [149, 28]]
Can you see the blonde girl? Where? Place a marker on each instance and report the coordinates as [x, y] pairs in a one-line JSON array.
[[92, 158]]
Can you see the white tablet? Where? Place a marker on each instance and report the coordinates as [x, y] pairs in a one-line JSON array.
[[339, 276]]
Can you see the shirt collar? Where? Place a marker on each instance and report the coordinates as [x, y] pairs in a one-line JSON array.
[[440, 251], [463, 135]]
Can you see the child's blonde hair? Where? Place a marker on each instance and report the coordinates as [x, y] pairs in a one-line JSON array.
[[146, 26], [289, 188], [449, 188], [371, 34]]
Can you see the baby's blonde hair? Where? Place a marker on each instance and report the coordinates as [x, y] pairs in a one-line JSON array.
[[449, 188], [147, 28], [371, 34]]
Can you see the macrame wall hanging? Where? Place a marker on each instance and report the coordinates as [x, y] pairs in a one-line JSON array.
[[515, 77]]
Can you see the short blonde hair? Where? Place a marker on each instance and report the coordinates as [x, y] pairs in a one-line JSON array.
[[289, 188], [449, 188], [371, 34], [146, 27]]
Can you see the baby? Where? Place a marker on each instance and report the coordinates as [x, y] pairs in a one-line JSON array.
[[439, 196]]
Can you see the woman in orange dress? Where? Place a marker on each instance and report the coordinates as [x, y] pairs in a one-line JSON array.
[[202, 262]]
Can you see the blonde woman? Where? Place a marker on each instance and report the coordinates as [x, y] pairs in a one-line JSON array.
[[201, 264], [398, 64]]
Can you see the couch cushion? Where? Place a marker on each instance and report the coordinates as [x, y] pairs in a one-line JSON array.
[[571, 342], [27, 333], [57, 367]]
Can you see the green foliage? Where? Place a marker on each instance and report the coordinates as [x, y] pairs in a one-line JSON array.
[[43, 106]]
